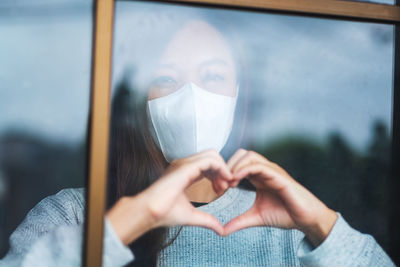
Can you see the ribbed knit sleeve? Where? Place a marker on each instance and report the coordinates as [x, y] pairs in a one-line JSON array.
[[52, 235], [344, 246]]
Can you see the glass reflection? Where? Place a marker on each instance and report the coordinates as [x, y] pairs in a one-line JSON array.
[[386, 2], [312, 95], [45, 52]]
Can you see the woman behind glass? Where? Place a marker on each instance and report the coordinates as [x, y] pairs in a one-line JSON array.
[[165, 154]]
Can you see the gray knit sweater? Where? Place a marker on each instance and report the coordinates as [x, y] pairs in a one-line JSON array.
[[51, 235]]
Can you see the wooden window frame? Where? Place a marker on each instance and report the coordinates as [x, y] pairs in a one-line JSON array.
[[98, 138]]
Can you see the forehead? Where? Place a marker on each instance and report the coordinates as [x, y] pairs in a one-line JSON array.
[[196, 42]]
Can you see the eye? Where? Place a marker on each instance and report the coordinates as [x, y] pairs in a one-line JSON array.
[[213, 77], [162, 85], [163, 81]]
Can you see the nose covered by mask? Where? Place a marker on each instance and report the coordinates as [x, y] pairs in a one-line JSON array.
[[191, 120]]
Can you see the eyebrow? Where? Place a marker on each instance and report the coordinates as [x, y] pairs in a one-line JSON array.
[[167, 66], [214, 61]]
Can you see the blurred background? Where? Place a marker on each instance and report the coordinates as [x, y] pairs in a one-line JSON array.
[[319, 99], [319, 96], [45, 52]]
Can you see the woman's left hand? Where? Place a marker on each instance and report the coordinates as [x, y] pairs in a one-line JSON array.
[[280, 200]]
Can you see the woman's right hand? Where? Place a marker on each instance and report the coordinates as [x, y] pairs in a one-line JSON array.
[[164, 203]]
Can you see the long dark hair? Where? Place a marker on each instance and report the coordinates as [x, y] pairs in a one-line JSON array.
[[136, 161]]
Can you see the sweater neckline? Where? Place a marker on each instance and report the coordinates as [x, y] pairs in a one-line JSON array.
[[227, 198]]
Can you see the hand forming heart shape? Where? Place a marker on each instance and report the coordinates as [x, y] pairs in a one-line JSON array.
[[280, 200]]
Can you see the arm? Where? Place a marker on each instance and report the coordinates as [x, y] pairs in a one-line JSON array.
[[282, 202], [165, 202], [52, 233], [344, 246], [65, 246]]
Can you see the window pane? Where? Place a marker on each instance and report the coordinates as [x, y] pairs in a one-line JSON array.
[[387, 2], [45, 53], [314, 96]]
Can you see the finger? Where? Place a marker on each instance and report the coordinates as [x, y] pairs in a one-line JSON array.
[[194, 169], [222, 184], [219, 186], [206, 220], [234, 183], [234, 159], [268, 175], [248, 219], [215, 163], [221, 180], [246, 159]]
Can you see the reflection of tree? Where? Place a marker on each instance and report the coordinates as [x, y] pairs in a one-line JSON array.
[[34, 168], [354, 183], [375, 175], [351, 182]]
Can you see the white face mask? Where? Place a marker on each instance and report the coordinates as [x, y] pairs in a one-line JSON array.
[[191, 120]]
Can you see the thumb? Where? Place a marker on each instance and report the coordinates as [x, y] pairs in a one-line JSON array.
[[248, 219], [206, 220]]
